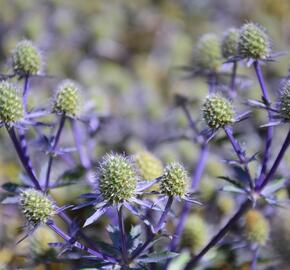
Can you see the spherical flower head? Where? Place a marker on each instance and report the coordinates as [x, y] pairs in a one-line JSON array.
[[174, 180], [217, 111], [36, 207], [11, 107], [226, 204], [67, 99], [284, 100], [117, 178], [254, 42], [149, 166], [207, 54], [26, 59], [256, 227], [195, 234], [39, 244], [230, 43]]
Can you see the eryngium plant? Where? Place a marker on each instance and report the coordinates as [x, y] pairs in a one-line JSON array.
[[149, 212]]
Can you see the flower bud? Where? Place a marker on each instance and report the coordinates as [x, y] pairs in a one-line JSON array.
[[254, 42], [149, 166], [256, 227], [117, 178], [217, 111], [36, 207], [11, 108], [26, 59], [284, 100], [230, 43], [67, 98], [174, 181], [39, 244], [195, 234], [207, 53]]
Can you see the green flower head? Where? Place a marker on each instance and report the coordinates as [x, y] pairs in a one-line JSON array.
[[36, 207], [230, 43], [26, 59], [174, 181], [195, 234], [254, 42], [284, 100], [67, 99], [149, 166], [207, 55], [11, 107], [117, 178], [217, 111], [256, 227]]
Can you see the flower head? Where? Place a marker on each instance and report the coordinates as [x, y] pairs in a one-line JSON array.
[[195, 233], [36, 207], [39, 244], [26, 59], [217, 111], [149, 166], [230, 43], [174, 181], [207, 54], [256, 227], [117, 178], [254, 42], [11, 108], [67, 99], [284, 100]]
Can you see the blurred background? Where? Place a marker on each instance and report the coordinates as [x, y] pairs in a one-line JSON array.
[[126, 55]]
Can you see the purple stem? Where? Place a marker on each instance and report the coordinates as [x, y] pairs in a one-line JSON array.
[[239, 152], [276, 162], [269, 137], [158, 227], [25, 92], [215, 240], [78, 245], [163, 217], [190, 119], [23, 158], [186, 206], [123, 236], [254, 259], [233, 92], [85, 161], [52, 150]]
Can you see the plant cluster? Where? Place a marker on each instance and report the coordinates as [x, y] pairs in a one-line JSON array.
[[155, 214]]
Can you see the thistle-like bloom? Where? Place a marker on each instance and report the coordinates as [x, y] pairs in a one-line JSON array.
[[26, 59], [254, 43], [195, 234], [207, 55], [217, 111], [174, 181], [67, 99], [39, 244], [116, 183], [11, 108], [256, 227], [117, 178], [230, 43], [36, 207], [150, 167]]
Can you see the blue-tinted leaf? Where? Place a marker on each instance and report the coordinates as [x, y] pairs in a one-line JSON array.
[[157, 257], [10, 200], [273, 187], [95, 216], [12, 187]]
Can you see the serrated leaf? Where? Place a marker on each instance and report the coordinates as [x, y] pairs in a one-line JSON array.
[[157, 257]]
